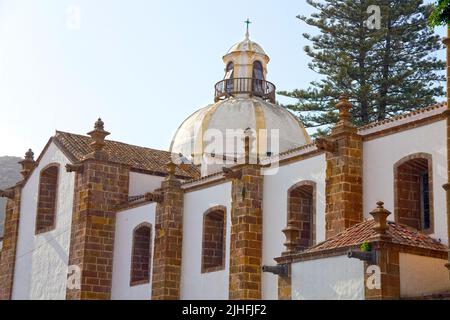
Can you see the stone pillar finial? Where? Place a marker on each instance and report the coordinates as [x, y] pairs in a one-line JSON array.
[[344, 107], [29, 155], [27, 163], [344, 155], [344, 124], [98, 136], [170, 168], [380, 215], [292, 233]]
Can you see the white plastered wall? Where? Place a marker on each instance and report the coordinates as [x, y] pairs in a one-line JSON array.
[[382, 153], [194, 284], [41, 260], [335, 278], [275, 206], [141, 183], [421, 275], [126, 222]]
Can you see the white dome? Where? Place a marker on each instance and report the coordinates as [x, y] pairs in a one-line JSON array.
[[239, 114], [247, 45]]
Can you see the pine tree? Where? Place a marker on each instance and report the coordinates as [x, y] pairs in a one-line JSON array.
[[441, 14], [386, 70]]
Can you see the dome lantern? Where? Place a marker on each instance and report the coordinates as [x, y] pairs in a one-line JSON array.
[[245, 72]]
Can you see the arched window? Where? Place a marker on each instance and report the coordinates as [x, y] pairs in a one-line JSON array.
[[302, 211], [229, 75], [413, 191], [258, 77], [213, 244], [46, 206], [258, 72], [141, 254]]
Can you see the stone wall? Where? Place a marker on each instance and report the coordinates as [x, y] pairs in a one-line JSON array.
[[98, 189], [8, 256], [168, 242], [246, 235]]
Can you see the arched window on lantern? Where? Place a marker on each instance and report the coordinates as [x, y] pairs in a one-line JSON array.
[[229, 75], [258, 78]]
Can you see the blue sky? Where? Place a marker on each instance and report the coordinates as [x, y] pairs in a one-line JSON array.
[[143, 66]]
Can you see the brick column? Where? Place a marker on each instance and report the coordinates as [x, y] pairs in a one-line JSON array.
[[246, 234], [343, 174], [168, 240], [11, 232], [387, 259], [98, 189], [100, 186], [285, 285], [388, 262], [447, 185], [8, 256]]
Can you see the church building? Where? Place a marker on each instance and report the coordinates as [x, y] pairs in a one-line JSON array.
[[244, 205]]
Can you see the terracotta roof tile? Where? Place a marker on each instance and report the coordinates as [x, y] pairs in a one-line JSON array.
[[141, 158], [361, 232], [422, 111]]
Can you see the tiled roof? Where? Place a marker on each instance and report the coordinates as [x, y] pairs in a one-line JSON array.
[[141, 158], [307, 148], [402, 118], [373, 127], [361, 232]]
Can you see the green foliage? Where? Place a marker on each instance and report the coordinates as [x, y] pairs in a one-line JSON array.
[[385, 71], [365, 247], [441, 14]]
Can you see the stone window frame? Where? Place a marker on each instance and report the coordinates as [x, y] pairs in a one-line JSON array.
[[143, 281], [224, 247], [53, 226], [429, 158], [313, 184]]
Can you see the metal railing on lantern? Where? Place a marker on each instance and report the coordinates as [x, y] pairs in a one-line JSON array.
[[251, 86]]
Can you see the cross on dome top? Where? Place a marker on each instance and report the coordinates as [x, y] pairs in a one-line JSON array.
[[247, 33], [247, 45]]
